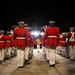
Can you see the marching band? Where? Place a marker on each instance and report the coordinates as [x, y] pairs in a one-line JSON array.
[[19, 42]]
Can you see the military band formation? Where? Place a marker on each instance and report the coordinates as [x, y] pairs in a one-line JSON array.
[[20, 43]]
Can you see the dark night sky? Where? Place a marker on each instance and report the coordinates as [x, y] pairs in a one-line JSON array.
[[36, 12]]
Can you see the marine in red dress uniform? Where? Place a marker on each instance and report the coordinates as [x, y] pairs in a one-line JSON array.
[[44, 43], [63, 43], [52, 40], [27, 49], [71, 43], [14, 52], [31, 47], [9, 40], [19, 35], [2, 45]]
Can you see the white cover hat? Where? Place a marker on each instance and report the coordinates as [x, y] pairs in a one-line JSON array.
[[21, 22], [1, 30], [51, 21], [72, 28]]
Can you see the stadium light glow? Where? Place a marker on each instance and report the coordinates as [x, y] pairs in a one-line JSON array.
[[36, 33]]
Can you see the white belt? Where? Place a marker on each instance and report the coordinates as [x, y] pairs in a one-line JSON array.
[[8, 41], [20, 37], [2, 41], [52, 36]]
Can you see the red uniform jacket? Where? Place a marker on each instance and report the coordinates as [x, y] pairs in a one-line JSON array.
[[71, 36], [43, 41], [52, 36], [9, 41], [32, 43], [2, 41], [29, 38], [13, 41], [20, 37], [62, 41]]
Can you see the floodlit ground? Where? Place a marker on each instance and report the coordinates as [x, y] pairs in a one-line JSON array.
[[38, 66]]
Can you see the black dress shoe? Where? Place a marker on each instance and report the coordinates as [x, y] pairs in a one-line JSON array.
[[48, 61], [19, 66], [52, 65], [27, 60]]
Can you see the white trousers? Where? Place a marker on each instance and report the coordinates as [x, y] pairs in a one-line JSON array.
[[38, 48], [14, 50], [31, 52], [63, 51], [43, 48], [59, 49], [47, 53], [27, 49], [20, 57], [1, 54], [9, 50], [52, 56], [67, 52], [71, 52]]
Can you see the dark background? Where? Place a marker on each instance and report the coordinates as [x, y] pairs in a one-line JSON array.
[[37, 13]]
